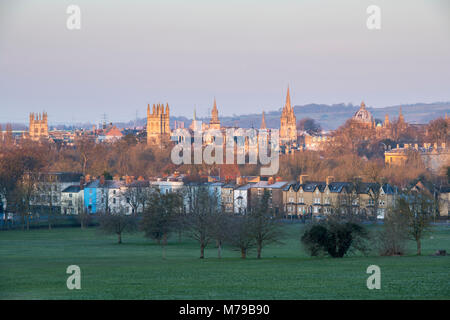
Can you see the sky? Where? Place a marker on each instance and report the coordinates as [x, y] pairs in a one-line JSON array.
[[130, 53]]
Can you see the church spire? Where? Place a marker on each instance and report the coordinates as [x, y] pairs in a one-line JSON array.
[[263, 121], [288, 99], [215, 105], [400, 115], [214, 123]]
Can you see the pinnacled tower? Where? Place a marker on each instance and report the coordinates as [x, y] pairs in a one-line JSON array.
[[158, 123], [38, 127], [214, 123], [288, 122]]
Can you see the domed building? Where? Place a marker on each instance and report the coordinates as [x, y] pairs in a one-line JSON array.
[[364, 117]]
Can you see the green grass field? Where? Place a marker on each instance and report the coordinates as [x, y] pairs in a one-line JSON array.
[[33, 266]]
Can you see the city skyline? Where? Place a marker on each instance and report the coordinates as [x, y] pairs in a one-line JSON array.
[[245, 57]]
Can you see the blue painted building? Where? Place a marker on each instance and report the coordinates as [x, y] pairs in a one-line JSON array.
[[91, 196]]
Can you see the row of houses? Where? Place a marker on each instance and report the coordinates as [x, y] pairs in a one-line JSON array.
[[71, 193]]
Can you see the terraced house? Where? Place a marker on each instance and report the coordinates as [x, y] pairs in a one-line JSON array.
[[324, 197]]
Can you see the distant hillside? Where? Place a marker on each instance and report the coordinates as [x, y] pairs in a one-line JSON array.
[[332, 116], [329, 116]]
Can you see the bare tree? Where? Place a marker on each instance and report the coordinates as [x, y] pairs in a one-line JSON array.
[[118, 223], [240, 234], [201, 216], [160, 216], [266, 227], [393, 235], [136, 195], [418, 209]]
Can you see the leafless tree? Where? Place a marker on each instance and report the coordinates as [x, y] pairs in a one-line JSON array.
[[203, 209], [417, 208], [265, 226], [118, 223]]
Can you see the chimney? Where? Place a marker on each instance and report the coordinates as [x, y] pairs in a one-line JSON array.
[[398, 146], [128, 179], [88, 178], [300, 178], [435, 146], [329, 179], [416, 146], [141, 178], [116, 177], [270, 181], [82, 181], [102, 180], [443, 145], [239, 180]]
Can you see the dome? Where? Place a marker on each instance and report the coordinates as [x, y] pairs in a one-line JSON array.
[[363, 115]]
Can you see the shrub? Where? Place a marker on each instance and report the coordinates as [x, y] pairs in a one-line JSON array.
[[335, 238]]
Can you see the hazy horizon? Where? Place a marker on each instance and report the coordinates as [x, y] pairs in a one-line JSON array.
[[128, 54]]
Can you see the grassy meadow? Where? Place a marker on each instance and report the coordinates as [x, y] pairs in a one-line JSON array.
[[33, 266]]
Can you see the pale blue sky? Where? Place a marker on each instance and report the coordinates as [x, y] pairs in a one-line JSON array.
[[245, 53]]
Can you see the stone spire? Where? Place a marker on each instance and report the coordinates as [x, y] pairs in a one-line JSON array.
[[400, 115], [288, 100], [263, 121], [215, 122], [215, 112]]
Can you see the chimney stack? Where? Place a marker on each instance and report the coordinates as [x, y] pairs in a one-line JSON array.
[[102, 180], [329, 179], [301, 178], [128, 179]]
